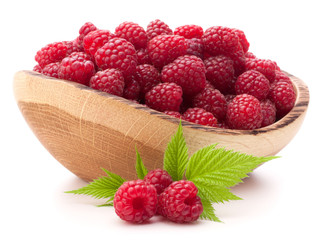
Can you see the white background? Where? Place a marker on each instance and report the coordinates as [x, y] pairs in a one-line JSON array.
[[282, 199]]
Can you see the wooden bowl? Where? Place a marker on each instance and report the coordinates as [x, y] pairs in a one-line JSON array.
[[86, 129]]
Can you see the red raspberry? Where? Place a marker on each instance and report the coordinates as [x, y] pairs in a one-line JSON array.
[[283, 95], [239, 61], [131, 90], [189, 31], [135, 201], [250, 55], [242, 39], [164, 97], [143, 57], [51, 70], [80, 55], [200, 116], [195, 47], [72, 46], [164, 49], [219, 71], [37, 68], [244, 112], [96, 39], [109, 81], [76, 69], [253, 83], [188, 71], [174, 114], [180, 203], [158, 27], [268, 111], [53, 52], [133, 33], [147, 76], [219, 40], [84, 30], [159, 178], [213, 101], [266, 67], [282, 77], [117, 53]]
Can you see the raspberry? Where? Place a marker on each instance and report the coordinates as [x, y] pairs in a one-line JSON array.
[[266, 67], [72, 47], [173, 114], [96, 39], [195, 47], [147, 76], [84, 30], [253, 83], [37, 68], [117, 53], [131, 90], [188, 71], [51, 70], [219, 40], [213, 101], [80, 55], [180, 203], [164, 49], [157, 27], [189, 31], [109, 81], [250, 55], [53, 52], [200, 116], [219, 71], [268, 111], [164, 97], [239, 61], [159, 178], [76, 69], [133, 33], [143, 57], [135, 201], [282, 77], [283, 95], [244, 112], [242, 39]]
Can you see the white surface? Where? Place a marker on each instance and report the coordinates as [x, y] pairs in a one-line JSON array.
[[281, 199]]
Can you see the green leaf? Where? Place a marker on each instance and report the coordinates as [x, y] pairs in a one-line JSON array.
[[208, 211], [176, 155], [140, 167], [102, 187]]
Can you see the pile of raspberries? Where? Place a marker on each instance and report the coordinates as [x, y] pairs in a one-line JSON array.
[[205, 77], [139, 200]]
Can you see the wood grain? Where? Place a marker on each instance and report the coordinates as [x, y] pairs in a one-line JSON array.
[[86, 129]]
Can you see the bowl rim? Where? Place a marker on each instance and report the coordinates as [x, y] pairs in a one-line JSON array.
[[300, 107]]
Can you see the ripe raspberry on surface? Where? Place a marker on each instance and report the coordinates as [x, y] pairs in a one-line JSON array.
[[37, 68], [174, 114], [266, 67], [180, 203], [147, 76], [195, 47], [242, 39], [117, 53], [84, 30], [96, 39], [109, 80], [282, 77], [213, 101], [268, 111], [132, 89], [133, 33], [53, 52], [187, 71], [244, 112], [189, 31], [135, 201], [76, 69], [143, 57], [221, 40], [219, 71], [72, 47], [164, 97], [81, 55], [158, 27], [283, 95], [51, 70], [200, 116], [253, 83], [164, 49], [159, 178]]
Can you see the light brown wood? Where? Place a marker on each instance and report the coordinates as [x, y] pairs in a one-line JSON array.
[[85, 129]]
